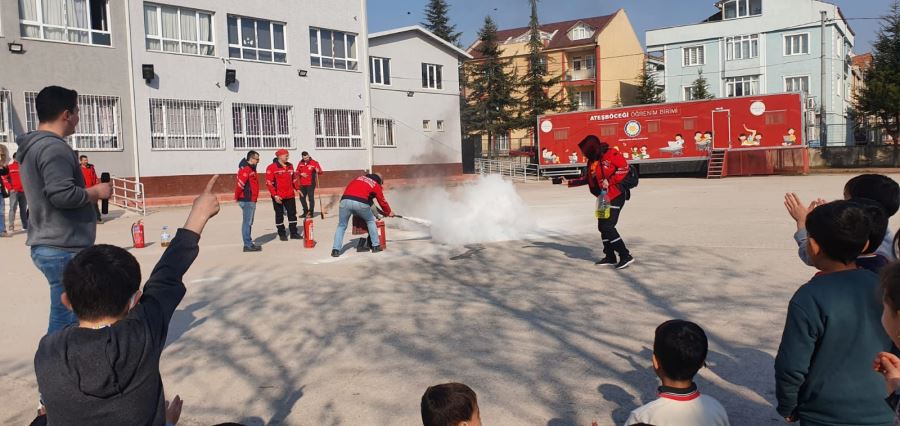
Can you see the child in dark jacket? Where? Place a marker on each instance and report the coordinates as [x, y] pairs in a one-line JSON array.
[[887, 363], [833, 328]]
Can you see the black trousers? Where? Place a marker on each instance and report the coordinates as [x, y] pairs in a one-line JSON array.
[[288, 206], [612, 241], [17, 199], [308, 199]]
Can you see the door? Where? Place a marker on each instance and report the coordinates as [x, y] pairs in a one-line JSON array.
[[721, 128]]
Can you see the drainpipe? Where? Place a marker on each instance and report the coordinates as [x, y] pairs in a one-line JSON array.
[[133, 101], [367, 95], [823, 122]]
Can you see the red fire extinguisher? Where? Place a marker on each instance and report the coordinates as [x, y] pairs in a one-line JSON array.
[[137, 234], [382, 235], [308, 240]]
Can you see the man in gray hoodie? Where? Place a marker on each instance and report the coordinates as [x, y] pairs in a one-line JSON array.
[[62, 220]]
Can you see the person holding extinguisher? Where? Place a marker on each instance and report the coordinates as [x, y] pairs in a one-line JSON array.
[[280, 183], [357, 201], [606, 170], [308, 172]]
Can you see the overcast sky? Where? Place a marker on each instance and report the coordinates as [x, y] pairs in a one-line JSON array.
[[468, 15]]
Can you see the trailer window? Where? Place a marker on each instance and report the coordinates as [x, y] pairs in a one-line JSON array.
[[689, 123], [561, 134], [608, 129], [653, 126], [775, 117]]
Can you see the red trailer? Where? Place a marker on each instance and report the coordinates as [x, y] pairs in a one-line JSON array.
[[731, 136]]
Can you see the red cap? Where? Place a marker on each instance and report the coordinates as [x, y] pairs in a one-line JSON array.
[[281, 152]]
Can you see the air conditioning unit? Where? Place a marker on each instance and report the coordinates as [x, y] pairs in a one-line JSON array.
[[810, 103]]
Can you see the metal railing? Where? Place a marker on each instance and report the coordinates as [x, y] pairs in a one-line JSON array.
[[129, 195], [513, 169]]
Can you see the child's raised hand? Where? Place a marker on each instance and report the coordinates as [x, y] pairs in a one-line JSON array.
[[205, 207], [796, 208], [888, 365], [173, 410]]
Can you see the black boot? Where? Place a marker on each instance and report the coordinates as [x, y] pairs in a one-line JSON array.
[[361, 245], [625, 257], [609, 258], [294, 234], [282, 234]]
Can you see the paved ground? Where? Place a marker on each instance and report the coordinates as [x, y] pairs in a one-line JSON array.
[[290, 336]]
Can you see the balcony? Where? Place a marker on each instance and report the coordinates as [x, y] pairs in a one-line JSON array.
[[582, 74], [586, 107]]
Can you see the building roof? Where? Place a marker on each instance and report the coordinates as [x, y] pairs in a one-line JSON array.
[[419, 29], [558, 30], [863, 60]]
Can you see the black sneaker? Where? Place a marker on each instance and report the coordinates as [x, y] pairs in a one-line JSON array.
[[377, 249], [282, 236], [607, 261], [624, 262], [252, 248], [335, 253]]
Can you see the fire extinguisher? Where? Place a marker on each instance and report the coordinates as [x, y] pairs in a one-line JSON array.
[[382, 235], [308, 239], [137, 234]]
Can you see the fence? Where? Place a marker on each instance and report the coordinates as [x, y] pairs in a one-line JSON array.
[[517, 170], [856, 156], [128, 195]]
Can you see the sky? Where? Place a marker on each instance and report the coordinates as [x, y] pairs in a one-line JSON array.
[[468, 15]]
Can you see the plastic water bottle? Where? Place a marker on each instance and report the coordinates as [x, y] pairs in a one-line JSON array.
[[165, 237], [603, 206]]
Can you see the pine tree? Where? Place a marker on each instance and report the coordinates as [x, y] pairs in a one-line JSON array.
[[618, 102], [572, 101], [701, 88], [536, 83], [438, 22], [648, 91], [489, 101], [881, 96]]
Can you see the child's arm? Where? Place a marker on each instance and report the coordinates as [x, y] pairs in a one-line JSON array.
[[798, 342], [165, 288]]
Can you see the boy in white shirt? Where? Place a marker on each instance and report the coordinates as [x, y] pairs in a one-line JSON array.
[[679, 351]]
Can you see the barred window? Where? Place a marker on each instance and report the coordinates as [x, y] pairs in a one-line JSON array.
[[98, 125], [261, 126], [338, 128], [6, 135], [384, 132], [185, 125]]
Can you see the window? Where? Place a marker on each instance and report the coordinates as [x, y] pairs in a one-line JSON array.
[[256, 39], [384, 132], [178, 30], [796, 84], [74, 21], [338, 128], [774, 117], [380, 71], [261, 126], [98, 125], [583, 62], [609, 129], [440, 125], [653, 126], [796, 44], [579, 33], [185, 125], [332, 49], [585, 99], [426, 125], [6, 135], [690, 93], [502, 141], [732, 9], [741, 86], [694, 56], [431, 76], [689, 123], [561, 134], [742, 47]]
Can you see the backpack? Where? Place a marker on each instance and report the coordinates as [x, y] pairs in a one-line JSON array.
[[631, 181]]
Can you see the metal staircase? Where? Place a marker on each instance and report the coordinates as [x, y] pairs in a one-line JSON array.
[[716, 169]]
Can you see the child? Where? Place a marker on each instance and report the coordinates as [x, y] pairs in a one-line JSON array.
[[869, 259], [679, 351], [887, 363], [833, 328], [106, 370], [450, 404]]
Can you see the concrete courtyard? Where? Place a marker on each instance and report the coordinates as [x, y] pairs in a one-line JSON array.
[[545, 337]]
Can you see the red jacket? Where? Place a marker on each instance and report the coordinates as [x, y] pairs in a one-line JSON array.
[[247, 188], [13, 181], [280, 180], [613, 167], [90, 176], [364, 189], [312, 169]]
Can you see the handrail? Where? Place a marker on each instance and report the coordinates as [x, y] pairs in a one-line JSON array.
[[129, 195], [513, 169]]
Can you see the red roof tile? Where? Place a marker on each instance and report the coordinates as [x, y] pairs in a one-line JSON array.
[[560, 38], [864, 60]]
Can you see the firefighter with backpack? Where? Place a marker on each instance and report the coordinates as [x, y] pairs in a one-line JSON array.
[[611, 179]]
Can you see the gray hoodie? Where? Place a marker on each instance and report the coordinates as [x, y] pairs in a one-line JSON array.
[[61, 214]]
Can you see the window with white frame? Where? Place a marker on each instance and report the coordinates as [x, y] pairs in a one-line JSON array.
[[440, 125], [256, 39], [742, 86], [380, 72], [338, 128], [178, 30], [796, 84], [693, 56], [261, 126], [98, 125], [332, 49], [185, 125], [384, 132], [796, 44], [74, 21], [431, 76], [580, 32], [583, 62], [426, 125], [690, 93], [585, 99], [6, 135], [732, 9], [742, 47], [502, 141]]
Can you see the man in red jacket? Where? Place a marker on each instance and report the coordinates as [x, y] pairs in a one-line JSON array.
[[13, 182], [280, 182], [357, 201], [245, 193], [90, 179], [308, 172]]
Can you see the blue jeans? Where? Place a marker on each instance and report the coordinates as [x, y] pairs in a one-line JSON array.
[[3, 214], [52, 261], [249, 210], [355, 208]]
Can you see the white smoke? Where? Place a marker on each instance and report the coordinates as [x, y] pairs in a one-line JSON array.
[[486, 210]]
